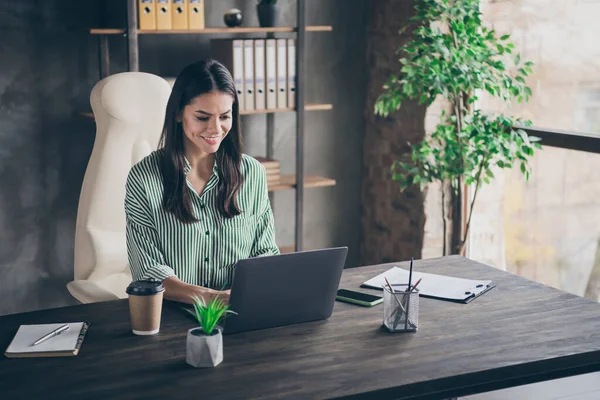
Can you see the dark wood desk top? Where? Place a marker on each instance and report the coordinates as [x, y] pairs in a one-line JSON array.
[[517, 333]]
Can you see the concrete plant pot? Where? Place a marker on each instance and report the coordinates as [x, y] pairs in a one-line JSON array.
[[203, 351]]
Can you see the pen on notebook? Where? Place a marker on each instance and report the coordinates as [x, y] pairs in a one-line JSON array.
[[55, 332]]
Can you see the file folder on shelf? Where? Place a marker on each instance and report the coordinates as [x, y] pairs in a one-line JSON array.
[[271, 73], [291, 73], [195, 14], [432, 285], [163, 15], [179, 13], [147, 14], [259, 74], [281, 73], [249, 74], [230, 53]]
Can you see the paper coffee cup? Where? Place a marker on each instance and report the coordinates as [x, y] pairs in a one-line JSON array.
[[145, 306]]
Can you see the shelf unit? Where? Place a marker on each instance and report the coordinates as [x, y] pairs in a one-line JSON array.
[[297, 181], [307, 107], [211, 30]]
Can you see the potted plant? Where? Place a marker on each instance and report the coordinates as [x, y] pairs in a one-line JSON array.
[[268, 13], [204, 344], [452, 55]]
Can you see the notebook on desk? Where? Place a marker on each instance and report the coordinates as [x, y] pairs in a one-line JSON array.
[[66, 344], [432, 285]]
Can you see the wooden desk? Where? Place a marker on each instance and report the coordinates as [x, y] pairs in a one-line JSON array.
[[520, 332]]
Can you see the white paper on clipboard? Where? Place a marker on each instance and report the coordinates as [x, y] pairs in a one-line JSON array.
[[433, 285]]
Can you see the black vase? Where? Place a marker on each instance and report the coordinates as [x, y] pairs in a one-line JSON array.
[[268, 15]]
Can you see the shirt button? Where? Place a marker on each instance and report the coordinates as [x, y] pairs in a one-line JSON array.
[[206, 232], [206, 259], [202, 206]]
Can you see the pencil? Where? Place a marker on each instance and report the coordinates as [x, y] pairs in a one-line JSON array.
[[410, 274]]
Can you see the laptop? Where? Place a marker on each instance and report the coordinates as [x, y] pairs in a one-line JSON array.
[[285, 289]]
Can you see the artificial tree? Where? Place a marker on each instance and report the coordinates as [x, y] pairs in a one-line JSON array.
[[452, 55]]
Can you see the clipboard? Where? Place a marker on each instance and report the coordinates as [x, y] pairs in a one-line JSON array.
[[435, 286]]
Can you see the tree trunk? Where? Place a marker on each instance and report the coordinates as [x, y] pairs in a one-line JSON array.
[[592, 291], [456, 213]]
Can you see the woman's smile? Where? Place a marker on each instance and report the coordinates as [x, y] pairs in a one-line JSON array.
[[212, 140]]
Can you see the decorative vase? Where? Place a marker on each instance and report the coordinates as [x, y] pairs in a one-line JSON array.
[[233, 17], [203, 350], [268, 15]]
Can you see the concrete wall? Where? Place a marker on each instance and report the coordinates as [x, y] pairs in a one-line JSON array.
[[49, 64]]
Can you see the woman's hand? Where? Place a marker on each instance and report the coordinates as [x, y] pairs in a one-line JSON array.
[[177, 290], [209, 294]]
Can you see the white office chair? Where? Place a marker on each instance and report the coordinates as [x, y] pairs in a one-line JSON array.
[[129, 110]]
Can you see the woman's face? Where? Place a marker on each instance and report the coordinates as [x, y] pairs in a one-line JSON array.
[[206, 120]]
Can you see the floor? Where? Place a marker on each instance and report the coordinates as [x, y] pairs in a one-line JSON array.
[[582, 387]]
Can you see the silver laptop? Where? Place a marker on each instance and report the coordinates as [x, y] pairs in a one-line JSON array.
[[284, 289]]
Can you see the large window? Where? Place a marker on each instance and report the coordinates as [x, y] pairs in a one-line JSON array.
[[548, 229], [562, 38]]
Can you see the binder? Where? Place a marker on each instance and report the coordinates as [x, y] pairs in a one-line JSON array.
[[271, 73], [432, 285], [163, 15], [147, 14], [281, 73], [259, 74], [230, 53], [195, 14], [249, 74], [179, 14], [291, 73]]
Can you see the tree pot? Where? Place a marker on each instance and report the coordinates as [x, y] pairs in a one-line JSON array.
[[268, 15], [203, 351]]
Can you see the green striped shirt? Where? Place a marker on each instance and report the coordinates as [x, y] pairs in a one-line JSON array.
[[203, 252]]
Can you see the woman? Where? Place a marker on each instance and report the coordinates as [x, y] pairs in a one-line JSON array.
[[197, 204]]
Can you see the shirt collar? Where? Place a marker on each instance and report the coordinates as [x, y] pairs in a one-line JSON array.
[[187, 167]]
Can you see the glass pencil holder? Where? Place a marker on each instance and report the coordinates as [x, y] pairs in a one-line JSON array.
[[400, 310]]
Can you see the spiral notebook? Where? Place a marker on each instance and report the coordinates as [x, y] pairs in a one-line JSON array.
[[66, 344], [433, 285]]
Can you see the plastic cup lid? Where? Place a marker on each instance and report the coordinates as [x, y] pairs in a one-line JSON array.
[[145, 288]]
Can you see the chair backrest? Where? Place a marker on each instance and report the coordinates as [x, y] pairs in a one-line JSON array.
[[129, 110]]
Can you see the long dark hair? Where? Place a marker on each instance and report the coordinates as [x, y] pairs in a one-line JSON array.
[[202, 77]]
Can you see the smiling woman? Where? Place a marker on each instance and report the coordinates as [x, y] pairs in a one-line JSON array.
[[197, 205]]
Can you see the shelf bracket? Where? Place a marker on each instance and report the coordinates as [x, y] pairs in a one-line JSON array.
[[132, 36], [300, 48], [104, 56]]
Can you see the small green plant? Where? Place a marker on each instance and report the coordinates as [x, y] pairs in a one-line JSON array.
[[209, 314]]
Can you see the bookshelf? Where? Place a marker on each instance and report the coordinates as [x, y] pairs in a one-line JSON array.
[[298, 181], [211, 30], [307, 107]]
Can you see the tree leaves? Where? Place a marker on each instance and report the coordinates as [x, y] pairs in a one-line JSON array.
[[454, 63]]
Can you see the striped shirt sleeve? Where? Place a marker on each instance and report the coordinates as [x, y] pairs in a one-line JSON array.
[[264, 242], [146, 259]]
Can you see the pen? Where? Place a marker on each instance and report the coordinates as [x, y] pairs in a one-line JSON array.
[[55, 332]]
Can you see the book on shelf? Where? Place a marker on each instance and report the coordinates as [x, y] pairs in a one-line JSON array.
[[272, 168], [268, 163]]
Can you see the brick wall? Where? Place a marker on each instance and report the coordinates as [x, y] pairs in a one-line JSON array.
[[392, 222]]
